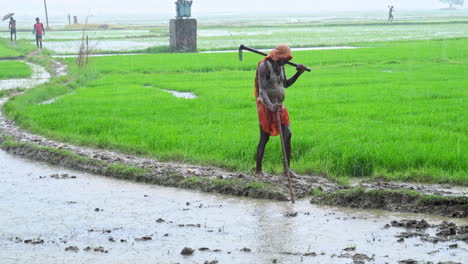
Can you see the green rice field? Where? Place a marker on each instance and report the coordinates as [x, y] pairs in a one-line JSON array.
[[6, 51], [14, 69], [391, 109], [21, 47]]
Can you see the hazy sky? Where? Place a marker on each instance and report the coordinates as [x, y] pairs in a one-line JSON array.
[[201, 7]]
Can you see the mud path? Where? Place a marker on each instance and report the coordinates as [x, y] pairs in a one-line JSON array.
[[208, 179], [54, 215]]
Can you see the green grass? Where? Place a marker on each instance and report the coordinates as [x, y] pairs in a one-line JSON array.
[[6, 50], [393, 109], [21, 48], [14, 69]]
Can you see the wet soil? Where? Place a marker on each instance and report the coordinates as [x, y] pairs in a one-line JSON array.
[[215, 180], [47, 219], [434, 233], [442, 202]]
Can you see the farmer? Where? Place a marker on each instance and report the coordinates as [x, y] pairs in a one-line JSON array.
[[39, 30], [270, 84], [390, 14], [12, 27]]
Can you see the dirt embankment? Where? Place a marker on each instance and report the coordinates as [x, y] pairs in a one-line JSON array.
[[425, 198], [403, 200]]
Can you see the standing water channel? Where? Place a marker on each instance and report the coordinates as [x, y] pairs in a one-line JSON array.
[[53, 215]]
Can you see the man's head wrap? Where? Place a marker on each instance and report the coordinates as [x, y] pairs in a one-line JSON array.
[[282, 51]]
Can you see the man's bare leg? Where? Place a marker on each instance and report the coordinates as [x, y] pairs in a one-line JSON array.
[[264, 137], [287, 143]]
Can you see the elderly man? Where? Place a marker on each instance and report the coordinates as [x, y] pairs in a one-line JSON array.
[[270, 84]]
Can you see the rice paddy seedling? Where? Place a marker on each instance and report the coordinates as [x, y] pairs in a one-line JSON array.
[[14, 69], [392, 109]]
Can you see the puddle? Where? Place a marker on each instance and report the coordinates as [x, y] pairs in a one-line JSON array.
[[48, 213], [185, 95], [39, 76]]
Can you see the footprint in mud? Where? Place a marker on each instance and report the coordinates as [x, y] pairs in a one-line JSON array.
[[189, 225], [34, 241], [60, 176], [144, 238], [291, 214], [187, 251], [307, 254], [245, 249], [103, 231], [95, 249], [72, 248]]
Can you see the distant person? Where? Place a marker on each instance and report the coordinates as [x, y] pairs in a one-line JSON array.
[[39, 31], [270, 84], [12, 27], [390, 14]]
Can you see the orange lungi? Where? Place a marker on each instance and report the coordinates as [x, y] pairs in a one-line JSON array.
[[268, 121]]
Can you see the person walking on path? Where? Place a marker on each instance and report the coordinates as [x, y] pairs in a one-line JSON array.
[[39, 31], [270, 84], [12, 27], [390, 14]]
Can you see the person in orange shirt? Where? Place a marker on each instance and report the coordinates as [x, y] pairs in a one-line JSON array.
[[39, 31], [270, 84]]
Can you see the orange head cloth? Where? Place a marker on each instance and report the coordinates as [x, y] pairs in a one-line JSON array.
[[282, 51]]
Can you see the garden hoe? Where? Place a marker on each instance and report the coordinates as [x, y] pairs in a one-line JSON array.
[[242, 47]]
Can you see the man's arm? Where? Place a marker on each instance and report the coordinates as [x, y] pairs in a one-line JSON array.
[[300, 70], [43, 30], [262, 93]]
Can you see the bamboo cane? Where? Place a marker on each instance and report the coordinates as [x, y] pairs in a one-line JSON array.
[[285, 158]]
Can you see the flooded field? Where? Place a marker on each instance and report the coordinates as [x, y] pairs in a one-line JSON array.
[[228, 31], [39, 76], [49, 215]]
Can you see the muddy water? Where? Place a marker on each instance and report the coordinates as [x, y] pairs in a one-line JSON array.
[[94, 211], [39, 76]]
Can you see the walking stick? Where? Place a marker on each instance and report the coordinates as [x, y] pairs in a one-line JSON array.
[[285, 157]]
